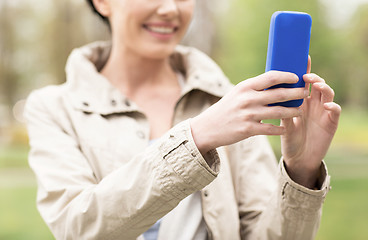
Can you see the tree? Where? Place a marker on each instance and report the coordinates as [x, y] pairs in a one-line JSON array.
[[354, 58], [243, 38], [202, 31], [8, 75]]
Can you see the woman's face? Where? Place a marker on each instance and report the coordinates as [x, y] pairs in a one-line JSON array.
[[150, 28]]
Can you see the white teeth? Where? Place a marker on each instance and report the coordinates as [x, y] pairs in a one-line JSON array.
[[162, 30]]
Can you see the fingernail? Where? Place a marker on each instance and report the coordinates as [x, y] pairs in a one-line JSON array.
[[306, 92], [310, 77], [327, 105]]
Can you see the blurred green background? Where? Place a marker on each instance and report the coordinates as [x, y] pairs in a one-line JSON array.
[[36, 39]]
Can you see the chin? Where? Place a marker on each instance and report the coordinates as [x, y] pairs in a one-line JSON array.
[[158, 52]]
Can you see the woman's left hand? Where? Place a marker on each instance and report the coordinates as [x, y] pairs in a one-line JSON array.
[[308, 137]]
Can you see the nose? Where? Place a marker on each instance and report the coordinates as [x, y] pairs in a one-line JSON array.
[[168, 9]]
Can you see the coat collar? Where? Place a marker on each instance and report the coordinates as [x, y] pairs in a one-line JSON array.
[[90, 91]]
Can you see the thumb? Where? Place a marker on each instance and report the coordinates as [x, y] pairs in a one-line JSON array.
[[309, 67], [288, 123]]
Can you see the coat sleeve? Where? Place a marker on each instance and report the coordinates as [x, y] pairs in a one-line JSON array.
[[122, 205], [271, 205]]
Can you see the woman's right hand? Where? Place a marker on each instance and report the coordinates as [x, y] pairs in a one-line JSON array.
[[239, 114]]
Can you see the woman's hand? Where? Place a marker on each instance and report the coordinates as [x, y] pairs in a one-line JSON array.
[[239, 113], [308, 136]]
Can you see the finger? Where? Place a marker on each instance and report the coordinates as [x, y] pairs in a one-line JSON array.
[[277, 112], [335, 110], [312, 78], [268, 129], [315, 93], [309, 68], [307, 88], [326, 93], [272, 78], [283, 94], [289, 124]]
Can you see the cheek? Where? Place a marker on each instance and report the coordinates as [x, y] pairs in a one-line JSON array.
[[186, 13], [127, 25], [126, 16]]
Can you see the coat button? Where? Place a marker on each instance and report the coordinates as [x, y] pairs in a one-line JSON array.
[[127, 103], [113, 102], [141, 134], [205, 193]]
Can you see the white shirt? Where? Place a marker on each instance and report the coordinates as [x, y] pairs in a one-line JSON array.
[[185, 222]]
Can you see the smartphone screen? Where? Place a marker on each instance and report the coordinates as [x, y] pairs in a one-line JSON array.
[[288, 48]]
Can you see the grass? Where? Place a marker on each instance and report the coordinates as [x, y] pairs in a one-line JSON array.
[[344, 214], [19, 218], [345, 211], [13, 156], [353, 129]]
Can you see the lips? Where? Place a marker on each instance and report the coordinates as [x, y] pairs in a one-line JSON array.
[[161, 28]]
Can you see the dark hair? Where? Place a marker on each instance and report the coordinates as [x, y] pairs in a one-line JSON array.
[[105, 19]]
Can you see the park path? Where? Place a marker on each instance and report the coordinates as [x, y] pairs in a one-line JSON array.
[[16, 177]]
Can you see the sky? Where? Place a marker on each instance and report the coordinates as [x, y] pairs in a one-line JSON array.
[[340, 11]]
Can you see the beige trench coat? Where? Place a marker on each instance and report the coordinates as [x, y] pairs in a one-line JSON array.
[[99, 179]]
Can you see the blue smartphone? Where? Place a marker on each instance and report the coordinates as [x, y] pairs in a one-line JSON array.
[[288, 48]]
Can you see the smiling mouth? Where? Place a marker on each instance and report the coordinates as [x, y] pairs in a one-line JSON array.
[[161, 29]]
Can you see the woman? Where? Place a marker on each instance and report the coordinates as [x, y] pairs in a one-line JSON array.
[[126, 148]]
